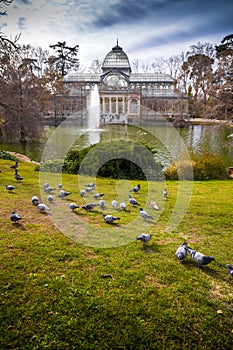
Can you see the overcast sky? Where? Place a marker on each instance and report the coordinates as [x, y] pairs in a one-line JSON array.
[[145, 28]]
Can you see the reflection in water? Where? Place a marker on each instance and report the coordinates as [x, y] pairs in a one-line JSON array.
[[215, 138]]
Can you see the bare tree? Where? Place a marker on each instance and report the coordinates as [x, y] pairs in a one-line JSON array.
[[223, 88], [96, 66], [135, 65], [6, 3]]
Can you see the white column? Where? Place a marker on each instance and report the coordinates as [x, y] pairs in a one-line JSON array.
[[110, 105], [117, 105]]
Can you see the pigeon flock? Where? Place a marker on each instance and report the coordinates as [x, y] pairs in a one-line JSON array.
[[181, 252]]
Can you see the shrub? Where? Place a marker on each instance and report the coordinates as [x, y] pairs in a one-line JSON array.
[[128, 160], [206, 165], [6, 155]]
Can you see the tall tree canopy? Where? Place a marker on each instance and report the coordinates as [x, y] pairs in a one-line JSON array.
[[65, 59]]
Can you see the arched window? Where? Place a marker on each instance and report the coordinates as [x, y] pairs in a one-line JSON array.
[[133, 106]]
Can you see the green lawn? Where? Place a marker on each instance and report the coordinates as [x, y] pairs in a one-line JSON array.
[[53, 291]]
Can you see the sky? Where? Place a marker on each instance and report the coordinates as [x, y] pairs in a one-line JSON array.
[[145, 29]]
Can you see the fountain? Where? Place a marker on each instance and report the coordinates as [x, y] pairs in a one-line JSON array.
[[94, 116]]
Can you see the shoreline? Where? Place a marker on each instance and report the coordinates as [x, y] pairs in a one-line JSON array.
[[206, 121]]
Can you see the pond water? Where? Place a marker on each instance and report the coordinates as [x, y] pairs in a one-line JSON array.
[[167, 141]]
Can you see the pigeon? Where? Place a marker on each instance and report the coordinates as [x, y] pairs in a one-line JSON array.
[[230, 269], [154, 205], [136, 189], [43, 207], [50, 198], [82, 193], [110, 218], [49, 189], [133, 201], [165, 194], [64, 194], [90, 189], [17, 176], [144, 237], [15, 166], [46, 185], [35, 200], [10, 188], [59, 186], [114, 204], [98, 195], [181, 251], [90, 185], [199, 258], [89, 206], [123, 206], [15, 217], [145, 215], [101, 203], [73, 206]]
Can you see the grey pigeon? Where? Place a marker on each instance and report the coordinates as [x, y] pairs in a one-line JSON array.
[[15, 217], [46, 184], [35, 200], [63, 194], [10, 188], [89, 206], [101, 203], [145, 215], [73, 206], [136, 189], [114, 204], [49, 189], [15, 166], [98, 195], [133, 201], [50, 198], [144, 237], [123, 206], [59, 186], [17, 176], [230, 269], [82, 193], [90, 185], [181, 251], [165, 194], [110, 218], [43, 207], [90, 189], [199, 258]]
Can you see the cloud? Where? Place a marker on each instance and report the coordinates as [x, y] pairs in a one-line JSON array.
[[145, 28]]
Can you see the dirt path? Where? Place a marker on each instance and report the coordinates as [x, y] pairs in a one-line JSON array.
[[22, 157]]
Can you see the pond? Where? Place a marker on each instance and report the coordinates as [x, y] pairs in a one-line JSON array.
[[164, 139]]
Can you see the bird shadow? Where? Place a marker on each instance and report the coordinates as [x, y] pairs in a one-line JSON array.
[[206, 269], [150, 249], [19, 226]]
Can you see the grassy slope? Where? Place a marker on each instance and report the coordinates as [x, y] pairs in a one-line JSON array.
[[53, 296]]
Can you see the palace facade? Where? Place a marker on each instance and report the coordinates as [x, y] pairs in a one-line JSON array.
[[122, 93]]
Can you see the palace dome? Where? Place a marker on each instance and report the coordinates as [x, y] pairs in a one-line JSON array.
[[118, 59]]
